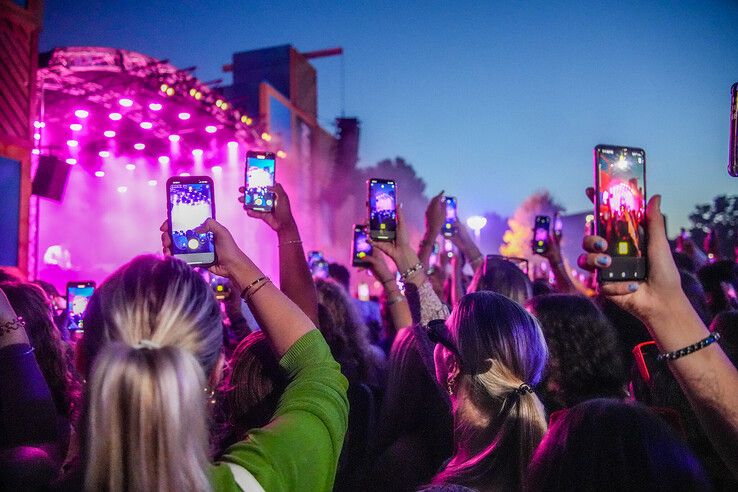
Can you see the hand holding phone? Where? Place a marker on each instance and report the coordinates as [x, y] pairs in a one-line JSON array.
[[190, 202], [541, 239], [259, 179], [280, 219], [361, 248], [78, 296], [382, 205]]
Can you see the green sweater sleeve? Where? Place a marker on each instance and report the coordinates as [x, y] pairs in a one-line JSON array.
[[300, 447]]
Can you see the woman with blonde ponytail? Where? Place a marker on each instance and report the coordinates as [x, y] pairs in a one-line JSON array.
[[489, 356], [152, 353]]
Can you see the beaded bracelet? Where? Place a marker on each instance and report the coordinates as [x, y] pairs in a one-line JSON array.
[[669, 356], [246, 290], [412, 271]]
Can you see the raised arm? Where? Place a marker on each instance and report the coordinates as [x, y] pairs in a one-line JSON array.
[[564, 283], [295, 278], [396, 301], [435, 215], [706, 376]]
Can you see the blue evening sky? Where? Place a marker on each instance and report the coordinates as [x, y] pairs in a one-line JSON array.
[[488, 100]]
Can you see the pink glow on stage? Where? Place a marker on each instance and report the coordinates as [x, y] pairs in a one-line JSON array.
[[109, 133], [81, 113], [71, 161], [37, 136], [184, 174], [155, 107], [216, 169], [211, 129], [99, 174], [184, 116], [163, 159], [139, 146], [125, 102], [39, 124], [174, 138], [130, 167], [232, 145], [115, 116], [197, 152], [36, 152], [75, 127], [104, 153], [122, 189], [72, 143], [152, 182], [146, 125]]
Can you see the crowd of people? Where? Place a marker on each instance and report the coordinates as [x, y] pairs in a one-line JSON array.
[[461, 382]]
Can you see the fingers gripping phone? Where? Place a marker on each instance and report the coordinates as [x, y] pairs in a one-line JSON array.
[[620, 210], [382, 209], [78, 296], [451, 226], [733, 151], [190, 202], [541, 231], [260, 173], [361, 247]]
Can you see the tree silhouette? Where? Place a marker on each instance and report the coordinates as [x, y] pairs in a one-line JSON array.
[[720, 216]]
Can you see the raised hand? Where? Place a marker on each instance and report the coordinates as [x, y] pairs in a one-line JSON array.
[[280, 218]]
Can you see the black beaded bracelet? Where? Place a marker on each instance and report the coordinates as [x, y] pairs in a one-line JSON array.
[[669, 356]]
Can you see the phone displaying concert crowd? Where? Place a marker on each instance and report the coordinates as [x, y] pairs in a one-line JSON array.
[[78, 296], [191, 203], [260, 169], [620, 196], [361, 246], [382, 209], [450, 226]]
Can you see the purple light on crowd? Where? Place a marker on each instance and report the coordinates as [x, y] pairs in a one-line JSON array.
[[122, 189], [99, 174], [75, 127], [155, 107], [197, 152], [211, 129], [125, 102], [152, 182], [104, 153], [139, 146], [115, 116], [184, 116], [163, 159], [146, 125], [81, 113], [109, 133], [174, 138], [72, 143], [130, 167], [71, 161]]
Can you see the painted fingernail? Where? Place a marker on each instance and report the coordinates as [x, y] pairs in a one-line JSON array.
[[600, 245], [603, 260], [632, 287]]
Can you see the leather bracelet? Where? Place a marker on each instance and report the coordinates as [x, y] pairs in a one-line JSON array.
[[251, 294], [13, 324], [412, 271], [669, 356], [246, 289]]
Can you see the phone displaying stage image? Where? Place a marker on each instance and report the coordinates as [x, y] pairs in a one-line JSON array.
[[78, 296], [558, 225], [541, 230], [382, 209], [620, 210], [318, 264], [190, 202], [451, 225], [361, 247], [260, 172]]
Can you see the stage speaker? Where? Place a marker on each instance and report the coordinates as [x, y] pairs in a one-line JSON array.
[[51, 178]]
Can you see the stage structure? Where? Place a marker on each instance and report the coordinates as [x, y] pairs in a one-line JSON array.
[[121, 123]]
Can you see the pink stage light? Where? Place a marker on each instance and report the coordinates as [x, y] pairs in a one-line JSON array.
[[72, 143], [71, 161], [216, 169], [155, 107], [37, 136], [184, 116], [163, 159], [75, 127], [211, 129], [197, 152], [232, 145], [81, 113], [99, 174], [122, 189], [115, 116], [125, 102], [130, 167], [35, 152], [152, 182], [39, 124], [146, 125], [174, 138], [104, 153], [184, 174], [139, 146], [109, 133]]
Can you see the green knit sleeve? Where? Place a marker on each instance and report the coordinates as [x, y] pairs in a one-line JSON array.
[[300, 447]]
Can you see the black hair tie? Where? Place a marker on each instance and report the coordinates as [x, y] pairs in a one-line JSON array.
[[523, 389]]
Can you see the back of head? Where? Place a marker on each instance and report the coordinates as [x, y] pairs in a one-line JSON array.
[[31, 303], [503, 277], [584, 356], [153, 334], [340, 274], [610, 445], [501, 347]]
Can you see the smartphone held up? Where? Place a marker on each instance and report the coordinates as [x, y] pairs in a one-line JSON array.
[[620, 210], [541, 234], [382, 205], [361, 247], [451, 225], [259, 179], [78, 296], [190, 202]]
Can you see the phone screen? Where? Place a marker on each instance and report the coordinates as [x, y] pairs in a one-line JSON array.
[[260, 170], [733, 151], [318, 265], [540, 233], [620, 209], [382, 209], [78, 296], [451, 225], [558, 226], [191, 202], [361, 246]]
